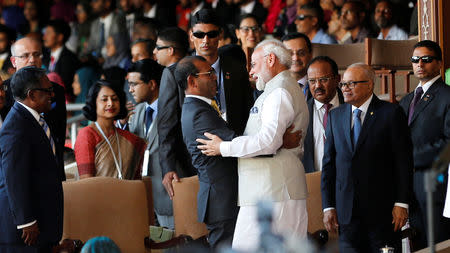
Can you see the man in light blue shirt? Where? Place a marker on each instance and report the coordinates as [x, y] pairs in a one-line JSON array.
[[310, 21], [384, 19]]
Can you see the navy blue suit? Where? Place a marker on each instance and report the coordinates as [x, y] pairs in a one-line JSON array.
[[30, 181], [430, 132], [308, 156], [217, 196], [364, 182]]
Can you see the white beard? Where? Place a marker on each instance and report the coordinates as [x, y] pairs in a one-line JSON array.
[[260, 83]]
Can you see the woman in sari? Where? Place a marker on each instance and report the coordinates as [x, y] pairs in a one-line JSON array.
[[102, 149]]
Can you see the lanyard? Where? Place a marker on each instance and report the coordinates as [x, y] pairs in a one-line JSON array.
[[119, 168]]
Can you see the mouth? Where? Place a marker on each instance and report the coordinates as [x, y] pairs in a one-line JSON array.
[[110, 110]]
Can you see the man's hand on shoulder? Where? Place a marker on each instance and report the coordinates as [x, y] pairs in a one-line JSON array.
[[167, 182], [210, 147], [291, 139], [30, 234]]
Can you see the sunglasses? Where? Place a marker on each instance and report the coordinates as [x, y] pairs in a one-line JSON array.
[[161, 47], [303, 17], [425, 59], [246, 29], [210, 34]]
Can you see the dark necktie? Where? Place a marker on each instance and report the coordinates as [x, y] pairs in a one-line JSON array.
[[148, 118], [417, 96], [102, 35], [356, 125], [47, 132], [325, 116]]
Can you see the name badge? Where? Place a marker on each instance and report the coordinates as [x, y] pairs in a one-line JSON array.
[[254, 110]]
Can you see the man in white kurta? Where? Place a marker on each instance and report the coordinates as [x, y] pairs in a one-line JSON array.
[[279, 177]]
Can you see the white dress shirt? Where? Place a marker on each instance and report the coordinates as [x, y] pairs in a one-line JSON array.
[[1, 121], [447, 199], [55, 54], [427, 85], [276, 115], [318, 129], [395, 33], [152, 12]]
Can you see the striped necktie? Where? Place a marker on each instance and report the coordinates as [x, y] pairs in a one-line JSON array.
[[215, 106], [47, 132]]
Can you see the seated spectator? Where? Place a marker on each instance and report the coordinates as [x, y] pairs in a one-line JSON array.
[[142, 49], [63, 9], [34, 18], [116, 75], [101, 149], [144, 28], [335, 27], [82, 29], [310, 22], [83, 80], [249, 34], [101, 244], [7, 36], [353, 15], [328, 8], [286, 19], [384, 19], [229, 37], [117, 54]]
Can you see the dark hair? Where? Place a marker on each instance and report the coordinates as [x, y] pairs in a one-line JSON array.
[[177, 38], [245, 16], [357, 5], [296, 35], [331, 62], [317, 11], [90, 109], [115, 75], [431, 45], [149, 44], [60, 27], [26, 79], [149, 70], [228, 32], [149, 23], [185, 68], [205, 16], [10, 33]]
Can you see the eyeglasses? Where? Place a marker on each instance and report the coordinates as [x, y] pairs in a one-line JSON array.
[[134, 84], [3, 88], [425, 59], [162, 47], [246, 29], [321, 80], [48, 90], [210, 73], [28, 55], [351, 84], [303, 17], [210, 34]]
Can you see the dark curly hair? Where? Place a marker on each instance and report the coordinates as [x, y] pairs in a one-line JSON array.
[[90, 109]]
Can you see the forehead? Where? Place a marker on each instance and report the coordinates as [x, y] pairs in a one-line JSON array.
[[257, 54], [26, 46], [204, 28], [383, 5], [320, 67], [295, 44], [160, 42], [354, 74], [304, 12], [249, 22], [138, 47], [106, 91], [422, 51], [348, 6], [134, 76]]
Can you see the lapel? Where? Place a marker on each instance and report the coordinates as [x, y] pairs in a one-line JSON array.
[[346, 124], [425, 100], [369, 119], [152, 133]]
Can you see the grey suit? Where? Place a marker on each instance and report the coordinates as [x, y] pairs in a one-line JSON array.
[[118, 25], [161, 200]]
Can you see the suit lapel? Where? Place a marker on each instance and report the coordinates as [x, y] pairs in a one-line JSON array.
[[151, 134], [369, 119], [425, 100], [346, 124]]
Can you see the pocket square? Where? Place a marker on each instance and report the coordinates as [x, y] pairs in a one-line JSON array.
[[254, 110]]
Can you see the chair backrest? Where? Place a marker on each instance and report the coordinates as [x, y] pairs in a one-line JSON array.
[[389, 54], [103, 206], [343, 54], [185, 208]]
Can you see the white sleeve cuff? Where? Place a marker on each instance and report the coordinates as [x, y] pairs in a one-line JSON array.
[[26, 225], [401, 205], [225, 148], [328, 209]]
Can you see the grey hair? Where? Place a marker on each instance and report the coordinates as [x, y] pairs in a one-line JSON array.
[[278, 49], [13, 46], [368, 71]]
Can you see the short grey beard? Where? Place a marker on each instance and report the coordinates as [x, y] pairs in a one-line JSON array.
[[260, 83]]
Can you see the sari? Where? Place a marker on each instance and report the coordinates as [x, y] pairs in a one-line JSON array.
[[93, 154]]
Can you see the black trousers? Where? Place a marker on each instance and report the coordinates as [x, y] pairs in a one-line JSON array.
[[221, 233]]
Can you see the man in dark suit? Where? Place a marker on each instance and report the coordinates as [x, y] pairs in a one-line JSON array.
[[367, 167], [31, 195], [61, 60], [323, 79], [217, 196], [428, 110], [28, 52], [172, 45]]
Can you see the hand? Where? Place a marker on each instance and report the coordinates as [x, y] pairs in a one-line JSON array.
[[211, 147], [399, 217], [130, 109], [291, 139], [30, 234], [330, 220], [167, 182]]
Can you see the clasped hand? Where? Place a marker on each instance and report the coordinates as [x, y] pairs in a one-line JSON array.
[[211, 146]]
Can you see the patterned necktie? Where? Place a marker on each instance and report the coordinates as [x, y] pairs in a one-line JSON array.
[[356, 125], [417, 96], [148, 118], [215, 106], [51, 68], [47, 132]]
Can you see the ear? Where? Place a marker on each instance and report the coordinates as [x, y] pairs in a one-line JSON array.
[[315, 21], [13, 61], [271, 58], [191, 82], [236, 31], [60, 38], [153, 85], [191, 35], [171, 51]]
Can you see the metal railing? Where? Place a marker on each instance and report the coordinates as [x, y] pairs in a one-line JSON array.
[[74, 121]]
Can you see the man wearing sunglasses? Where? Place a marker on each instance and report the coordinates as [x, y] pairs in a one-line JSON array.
[[323, 79], [310, 21], [367, 167], [428, 110]]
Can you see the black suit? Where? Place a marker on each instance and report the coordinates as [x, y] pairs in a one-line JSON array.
[[308, 156], [364, 182], [217, 196], [30, 183], [430, 131], [65, 67]]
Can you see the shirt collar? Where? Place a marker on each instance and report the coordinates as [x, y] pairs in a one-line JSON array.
[[216, 65], [428, 84], [205, 99], [364, 107], [248, 8], [56, 53], [153, 105], [334, 102], [33, 112], [152, 12]]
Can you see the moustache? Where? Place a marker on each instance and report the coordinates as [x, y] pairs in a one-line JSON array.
[[319, 90]]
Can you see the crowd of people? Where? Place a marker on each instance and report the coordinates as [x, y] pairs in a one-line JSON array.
[[228, 91]]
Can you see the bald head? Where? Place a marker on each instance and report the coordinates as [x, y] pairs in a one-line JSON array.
[[359, 80], [26, 52]]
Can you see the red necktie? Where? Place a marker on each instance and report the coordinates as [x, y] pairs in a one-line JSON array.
[[52, 63], [325, 116]]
